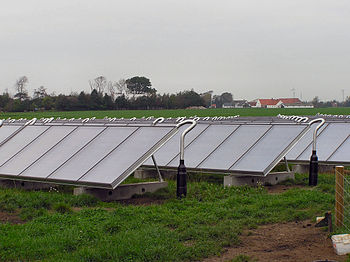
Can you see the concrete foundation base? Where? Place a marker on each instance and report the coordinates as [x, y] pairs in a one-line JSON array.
[[270, 179], [122, 191], [304, 168], [24, 184]]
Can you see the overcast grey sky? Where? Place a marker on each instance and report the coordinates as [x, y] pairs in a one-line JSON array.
[[251, 48]]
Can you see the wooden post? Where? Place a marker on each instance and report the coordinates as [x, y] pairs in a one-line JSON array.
[[339, 196]]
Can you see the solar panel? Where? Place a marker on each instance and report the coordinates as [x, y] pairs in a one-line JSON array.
[[328, 141], [7, 131], [243, 148], [234, 147], [331, 145], [103, 152], [99, 156], [19, 141], [35, 149], [93, 153], [269, 150], [205, 143], [341, 155], [119, 161], [62, 152]]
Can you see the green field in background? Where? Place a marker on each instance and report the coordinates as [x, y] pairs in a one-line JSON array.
[[182, 112]]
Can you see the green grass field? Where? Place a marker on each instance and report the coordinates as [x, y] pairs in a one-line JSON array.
[[61, 227], [182, 112]]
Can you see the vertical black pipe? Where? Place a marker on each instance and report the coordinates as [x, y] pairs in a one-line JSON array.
[[313, 174], [181, 183]]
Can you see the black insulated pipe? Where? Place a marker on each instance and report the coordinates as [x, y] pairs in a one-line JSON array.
[[181, 183], [181, 180], [313, 172]]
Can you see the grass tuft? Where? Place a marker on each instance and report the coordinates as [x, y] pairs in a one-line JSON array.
[[62, 208]]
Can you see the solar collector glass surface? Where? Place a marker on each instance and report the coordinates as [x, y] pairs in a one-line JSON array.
[[267, 149], [94, 152], [35, 150], [234, 147], [327, 141], [6, 131], [59, 154], [19, 141], [115, 164], [342, 154], [204, 144]]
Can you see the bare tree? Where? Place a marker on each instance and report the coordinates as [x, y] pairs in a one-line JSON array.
[[40, 92], [99, 84], [121, 87], [111, 89], [21, 91]]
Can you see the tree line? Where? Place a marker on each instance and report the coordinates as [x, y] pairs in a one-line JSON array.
[[333, 103], [134, 93]]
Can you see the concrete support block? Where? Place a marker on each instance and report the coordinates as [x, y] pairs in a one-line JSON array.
[[6, 183], [270, 179], [125, 191]]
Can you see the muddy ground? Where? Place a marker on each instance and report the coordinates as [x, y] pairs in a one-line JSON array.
[[286, 242]]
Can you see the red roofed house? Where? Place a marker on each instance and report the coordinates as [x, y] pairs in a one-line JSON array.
[[280, 103]]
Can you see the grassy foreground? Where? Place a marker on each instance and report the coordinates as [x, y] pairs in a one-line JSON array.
[[182, 112], [62, 227]]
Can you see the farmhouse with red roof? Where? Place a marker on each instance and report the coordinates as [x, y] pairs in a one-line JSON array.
[[280, 103]]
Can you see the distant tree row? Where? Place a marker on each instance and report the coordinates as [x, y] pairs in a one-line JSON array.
[[133, 93], [317, 103]]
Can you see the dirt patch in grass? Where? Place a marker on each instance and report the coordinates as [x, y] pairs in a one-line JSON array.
[[286, 242], [142, 201], [11, 218]]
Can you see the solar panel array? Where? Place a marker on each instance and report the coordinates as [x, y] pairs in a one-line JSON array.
[[92, 155], [103, 152]]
